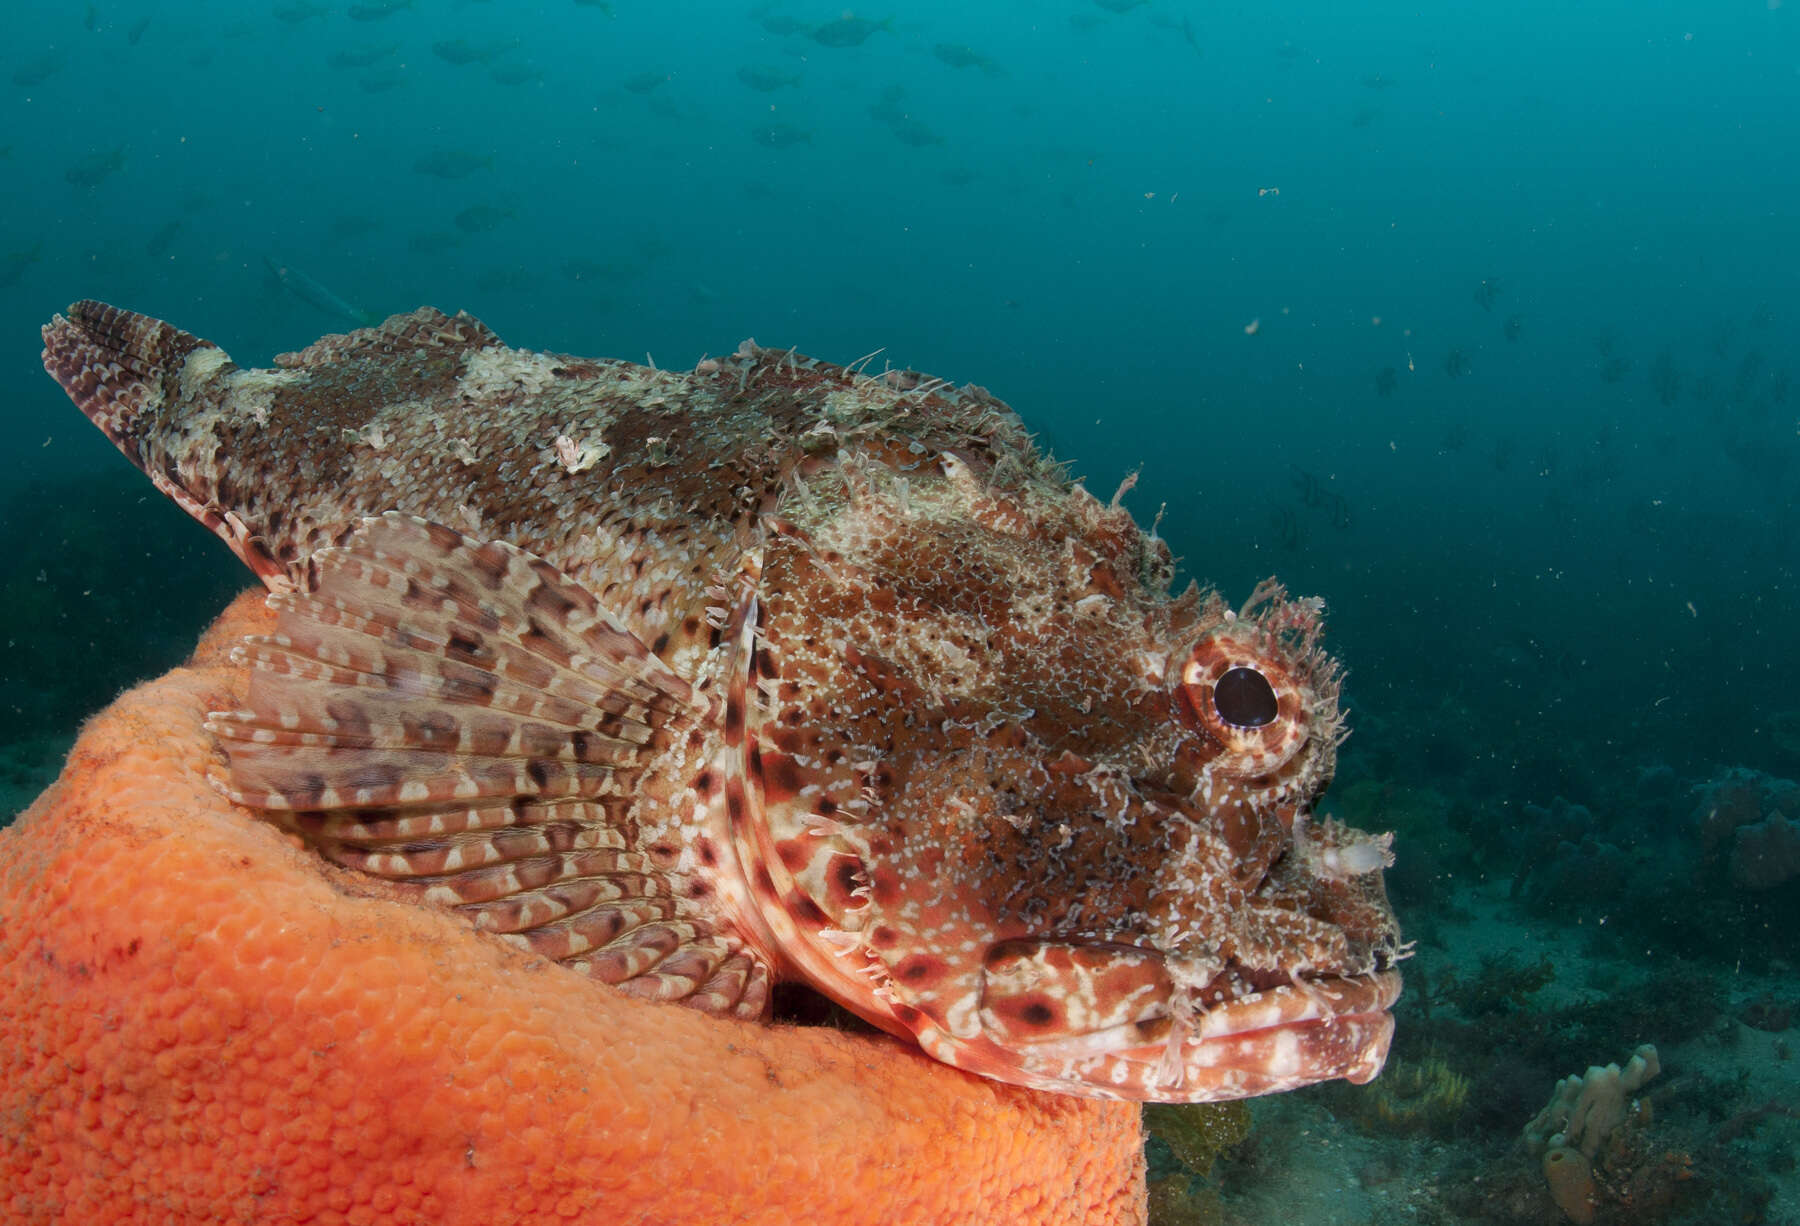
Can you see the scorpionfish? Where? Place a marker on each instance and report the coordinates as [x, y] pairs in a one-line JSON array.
[[773, 671]]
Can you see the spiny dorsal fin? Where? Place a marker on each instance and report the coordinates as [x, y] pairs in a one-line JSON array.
[[463, 719], [425, 328]]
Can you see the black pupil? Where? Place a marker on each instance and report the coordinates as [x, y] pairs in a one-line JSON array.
[[1244, 698]]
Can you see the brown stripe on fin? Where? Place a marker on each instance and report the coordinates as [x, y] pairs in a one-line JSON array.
[[462, 719], [426, 668]]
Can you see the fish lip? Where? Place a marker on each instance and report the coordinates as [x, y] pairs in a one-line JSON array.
[[1296, 1034], [1301, 1001], [1275, 1039], [1266, 1011]]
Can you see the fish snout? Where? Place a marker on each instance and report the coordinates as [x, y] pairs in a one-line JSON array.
[[1114, 1020]]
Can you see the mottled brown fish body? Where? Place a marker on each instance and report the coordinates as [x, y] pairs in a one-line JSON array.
[[774, 669], [583, 462]]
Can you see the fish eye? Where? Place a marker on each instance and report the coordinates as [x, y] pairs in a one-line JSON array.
[[1248, 700], [1244, 698]]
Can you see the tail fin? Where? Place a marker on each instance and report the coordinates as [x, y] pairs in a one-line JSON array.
[[142, 381], [119, 367]]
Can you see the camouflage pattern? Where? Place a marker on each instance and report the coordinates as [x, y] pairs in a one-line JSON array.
[[774, 670]]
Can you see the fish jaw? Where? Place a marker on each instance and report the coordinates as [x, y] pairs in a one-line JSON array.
[[1106, 1022], [1212, 972], [1091, 1018], [1096, 1018]]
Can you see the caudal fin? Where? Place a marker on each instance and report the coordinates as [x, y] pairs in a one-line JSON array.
[[118, 367], [143, 382]]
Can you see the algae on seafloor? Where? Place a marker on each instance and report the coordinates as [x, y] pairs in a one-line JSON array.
[[1184, 1143], [1424, 1097], [1197, 1133]]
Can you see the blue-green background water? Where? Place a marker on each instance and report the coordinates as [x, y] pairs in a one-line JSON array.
[[1076, 225], [1478, 319]]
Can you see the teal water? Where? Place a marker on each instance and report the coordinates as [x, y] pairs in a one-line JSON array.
[[1478, 320]]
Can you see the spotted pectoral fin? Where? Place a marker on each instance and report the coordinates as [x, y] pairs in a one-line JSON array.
[[465, 720]]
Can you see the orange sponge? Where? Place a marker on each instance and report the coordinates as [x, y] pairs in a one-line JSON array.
[[199, 1021]]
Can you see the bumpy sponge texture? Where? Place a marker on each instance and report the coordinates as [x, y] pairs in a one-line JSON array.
[[201, 1022]]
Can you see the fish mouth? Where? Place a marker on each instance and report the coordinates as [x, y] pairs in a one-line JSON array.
[[1280, 1038], [1111, 1021]]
